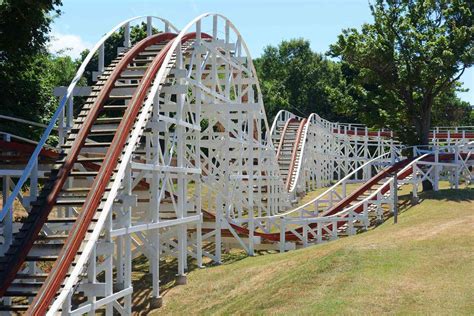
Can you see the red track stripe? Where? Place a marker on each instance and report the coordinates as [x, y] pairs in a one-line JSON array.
[[53, 282]]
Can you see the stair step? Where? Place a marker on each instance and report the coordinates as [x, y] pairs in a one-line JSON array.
[[90, 159], [98, 144], [63, 201], [108, 120], [27, 276], [41, 258], [84, 173], [14, 308], [62, 220], [78, 189], [10, 293], [102, 132], [52, 237], [127, 85], [115, 107]]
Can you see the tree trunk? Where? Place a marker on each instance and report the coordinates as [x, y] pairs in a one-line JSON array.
[[425, 128]]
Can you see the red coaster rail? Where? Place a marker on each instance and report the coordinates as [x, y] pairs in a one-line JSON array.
[[85, 127]]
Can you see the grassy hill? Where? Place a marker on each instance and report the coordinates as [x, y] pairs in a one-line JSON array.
[[423, 264]]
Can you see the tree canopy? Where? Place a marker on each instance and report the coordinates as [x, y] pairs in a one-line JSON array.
[[408, 62], [295, 78], [26, 78]]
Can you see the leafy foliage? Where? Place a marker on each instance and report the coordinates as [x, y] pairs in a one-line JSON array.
[[295, 78], [407, 62], [25, 75]]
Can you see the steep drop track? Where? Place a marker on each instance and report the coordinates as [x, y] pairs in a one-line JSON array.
[[289, 149], [106, 119]]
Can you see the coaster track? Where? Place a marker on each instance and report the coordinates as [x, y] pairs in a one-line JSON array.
[[168, 156]]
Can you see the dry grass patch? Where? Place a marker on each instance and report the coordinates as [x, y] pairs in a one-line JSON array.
[[423, 265]]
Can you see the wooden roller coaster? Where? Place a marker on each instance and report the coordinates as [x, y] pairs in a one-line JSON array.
[[171, 155]]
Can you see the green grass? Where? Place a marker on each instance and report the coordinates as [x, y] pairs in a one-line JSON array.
[[422, 265]]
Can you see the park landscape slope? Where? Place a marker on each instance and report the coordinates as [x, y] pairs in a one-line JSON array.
[[423, 264]]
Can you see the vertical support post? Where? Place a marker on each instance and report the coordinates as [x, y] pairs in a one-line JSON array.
[[128, 241], [61, 131], [70, 112], [34, 183], [218, 227], [457, 168], [436, 169], [197, 159], [251, 173], [305, 236], [119, 259], [334, 229], [395, 198], [149, 26], [181, 183], [8, 220], [379, 212], [392, 153], [101, 59], [282, 234], [126, 35], [66, 308], [414, 194], [251, 234], [214, 27], [91, 277], [109, 270], [350, 221], [319, 232], [153, 152]]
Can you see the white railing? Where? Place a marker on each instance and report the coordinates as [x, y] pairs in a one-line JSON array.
[[317, 206], [317, 226]]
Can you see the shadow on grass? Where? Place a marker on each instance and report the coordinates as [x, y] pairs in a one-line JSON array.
[[454, 195], [459, 195], [142, 301]]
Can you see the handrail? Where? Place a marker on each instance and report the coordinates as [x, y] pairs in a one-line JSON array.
[[23, 139], [399, 173], [20, 120], [277, 118], [34, 156]]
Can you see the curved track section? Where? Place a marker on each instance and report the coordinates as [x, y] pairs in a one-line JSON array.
[[318, 220]]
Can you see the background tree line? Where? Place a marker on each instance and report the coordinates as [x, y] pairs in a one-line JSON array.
[[401, 71]]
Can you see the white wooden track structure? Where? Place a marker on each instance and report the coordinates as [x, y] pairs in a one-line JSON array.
[[171, 155]]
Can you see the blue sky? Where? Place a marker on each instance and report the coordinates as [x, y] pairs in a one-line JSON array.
[[261, 22]]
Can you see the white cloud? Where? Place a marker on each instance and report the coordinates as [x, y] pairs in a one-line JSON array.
[[68, 44]]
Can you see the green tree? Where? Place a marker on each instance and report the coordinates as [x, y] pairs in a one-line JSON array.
[[408, 60], [295, 78], [449, 110], [25, 25]]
